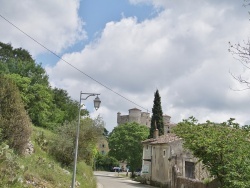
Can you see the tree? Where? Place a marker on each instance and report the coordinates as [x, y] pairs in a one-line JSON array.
[[240, 52], [125, 143], [105, 162], [64, 143], [223, 149], [157, 116], [15, 124], [46, 107]]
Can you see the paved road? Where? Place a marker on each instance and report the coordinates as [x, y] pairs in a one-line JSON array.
[[112, 180]]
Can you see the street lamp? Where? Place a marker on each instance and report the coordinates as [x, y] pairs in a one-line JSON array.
[[97, 103]]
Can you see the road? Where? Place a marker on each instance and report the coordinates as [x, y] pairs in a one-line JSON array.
[[112, 180]]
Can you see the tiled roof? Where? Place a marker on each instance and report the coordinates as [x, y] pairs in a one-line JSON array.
[[167, 138]]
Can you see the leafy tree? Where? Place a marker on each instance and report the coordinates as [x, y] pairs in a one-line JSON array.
[[64, 143], [14, 122], [157, 116], [105, 162], [19, 61], [46, 107], [67, 108], [125, 143], [223, 148]]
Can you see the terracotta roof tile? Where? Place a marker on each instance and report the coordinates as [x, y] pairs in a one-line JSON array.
[[167, 138]]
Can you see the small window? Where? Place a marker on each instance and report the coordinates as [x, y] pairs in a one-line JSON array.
[[103, 145], [103, 152], [147, 147], [189, 170], [164, 153]]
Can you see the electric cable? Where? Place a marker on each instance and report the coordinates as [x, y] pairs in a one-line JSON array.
[[90, 77]]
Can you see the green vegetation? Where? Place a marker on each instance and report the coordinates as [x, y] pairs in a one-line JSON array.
[[40, 155], [157, 116], [105, 162], [132, 134], [39, 169], [63, 144], [15, 124], [47, 107], [223, 148]]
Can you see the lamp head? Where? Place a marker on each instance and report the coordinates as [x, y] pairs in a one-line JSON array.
[[97, 102]]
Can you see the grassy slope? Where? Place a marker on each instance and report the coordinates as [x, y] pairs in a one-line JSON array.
[[44, 171]]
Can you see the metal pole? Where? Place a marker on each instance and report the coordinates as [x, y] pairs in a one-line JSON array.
[[76, 147]]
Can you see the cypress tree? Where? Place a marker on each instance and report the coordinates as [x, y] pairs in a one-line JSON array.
[[157, 116]]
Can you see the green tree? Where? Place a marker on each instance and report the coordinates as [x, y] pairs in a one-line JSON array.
[[157, 116], [19, 61], [64, 143], [105, 162], [67, 108], [15, 124], [223, 148], [46, 107], [125, 143]]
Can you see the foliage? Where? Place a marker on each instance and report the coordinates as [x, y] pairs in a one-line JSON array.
[[19, 61], [157, 116], [14, 122], [41, 140], [125, 143], [11, 171], [46, 107], [105, 162], [44, 171], [68, 108], [64, 143], [223, 148]]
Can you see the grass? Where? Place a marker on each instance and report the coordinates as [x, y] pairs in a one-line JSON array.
[[41, 170]]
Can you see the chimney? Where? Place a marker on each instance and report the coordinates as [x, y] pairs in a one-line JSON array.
[[156, 132]]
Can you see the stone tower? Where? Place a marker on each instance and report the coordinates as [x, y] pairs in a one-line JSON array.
[[135, 115]]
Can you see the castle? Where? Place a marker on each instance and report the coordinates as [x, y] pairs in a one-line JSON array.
[[143, 118]]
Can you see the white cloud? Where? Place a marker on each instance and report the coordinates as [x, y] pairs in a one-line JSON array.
[[55, 24], [182, 52]]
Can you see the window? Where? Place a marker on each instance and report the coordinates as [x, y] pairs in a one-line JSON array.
[[103, 152], [164, 153], [189, 169], [147, 147], [103, 145]]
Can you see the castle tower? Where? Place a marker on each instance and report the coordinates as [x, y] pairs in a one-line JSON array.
[[135, 115]]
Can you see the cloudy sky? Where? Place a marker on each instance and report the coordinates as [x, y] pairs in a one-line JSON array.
[[127, 49]]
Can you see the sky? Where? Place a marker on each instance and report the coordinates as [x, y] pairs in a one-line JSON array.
[[127, 49]]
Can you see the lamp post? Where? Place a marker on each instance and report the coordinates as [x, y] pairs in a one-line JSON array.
[[97, 103]]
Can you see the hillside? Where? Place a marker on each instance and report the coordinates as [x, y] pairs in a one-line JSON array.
[[40, 169]]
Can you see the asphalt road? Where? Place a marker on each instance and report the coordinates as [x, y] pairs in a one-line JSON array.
[[112, 180]]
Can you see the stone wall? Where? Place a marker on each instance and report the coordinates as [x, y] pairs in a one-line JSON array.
[[190, 183]]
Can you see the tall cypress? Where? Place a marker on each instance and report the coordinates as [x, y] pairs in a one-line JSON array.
[[157, 116]]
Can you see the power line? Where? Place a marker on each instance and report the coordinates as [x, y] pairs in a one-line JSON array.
[[105, 86]]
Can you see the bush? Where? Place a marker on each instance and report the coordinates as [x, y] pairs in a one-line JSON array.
[[14, 121], [63, 145], [10, 171]]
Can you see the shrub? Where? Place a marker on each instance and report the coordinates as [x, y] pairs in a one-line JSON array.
[[10, 170], [63, 145], [14, 121]]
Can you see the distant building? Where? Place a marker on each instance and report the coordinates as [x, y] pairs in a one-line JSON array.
[[135, 115], [167, 124], [103, 146], [143, 118]]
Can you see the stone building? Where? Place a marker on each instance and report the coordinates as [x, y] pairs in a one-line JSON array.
[[143, 118], [167, 164], [102, 145], [135, 115]]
